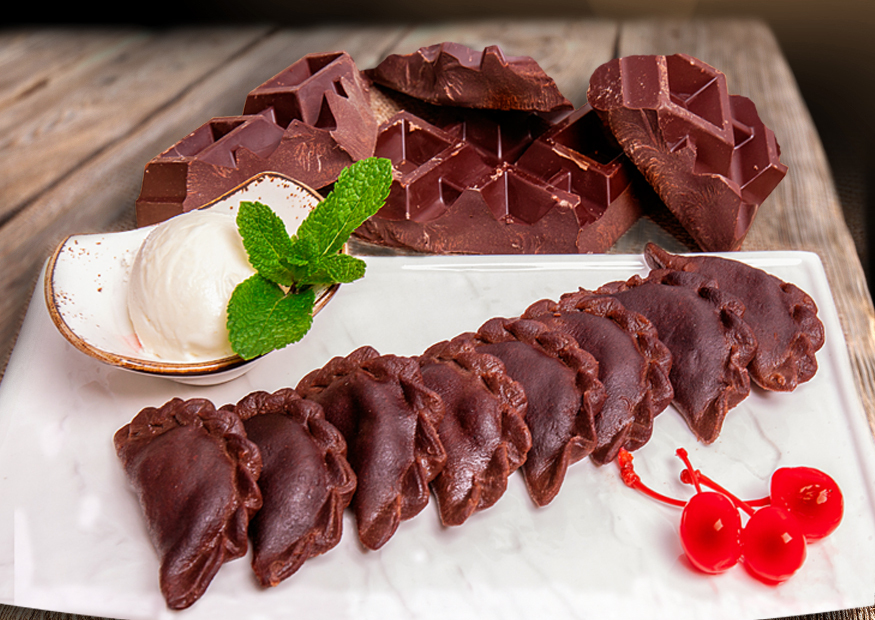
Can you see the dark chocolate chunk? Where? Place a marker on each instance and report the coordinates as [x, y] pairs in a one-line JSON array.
[[563, 391], [711, 345], [482, 431], [389, 419], [453, 74], [460, 190], [194, 472], [782, 316], [706, 152], [633, 365], [306, 482], [308, 122]]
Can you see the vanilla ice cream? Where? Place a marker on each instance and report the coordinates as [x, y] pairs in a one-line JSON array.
[[180, 284]]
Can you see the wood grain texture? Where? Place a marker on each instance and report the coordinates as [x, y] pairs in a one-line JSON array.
[[84, 109], [31, 60]]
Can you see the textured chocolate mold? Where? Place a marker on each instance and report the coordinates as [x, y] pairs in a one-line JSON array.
[[308, 122], [503, 183], [453, 74], [705, 152]]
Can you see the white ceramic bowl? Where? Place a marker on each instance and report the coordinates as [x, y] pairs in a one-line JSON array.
[[87, 280]]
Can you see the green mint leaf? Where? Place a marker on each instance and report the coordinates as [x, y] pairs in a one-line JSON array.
[[262, 317], [359, 192], [267, 243], [341, 268]]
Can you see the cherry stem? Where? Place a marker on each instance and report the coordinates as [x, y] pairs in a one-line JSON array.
[[706, 481], [631, 479], [694, 476]]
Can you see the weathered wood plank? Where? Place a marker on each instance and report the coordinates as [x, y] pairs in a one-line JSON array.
[[85, 109], [109, 182], [803, 213], [31, 59]]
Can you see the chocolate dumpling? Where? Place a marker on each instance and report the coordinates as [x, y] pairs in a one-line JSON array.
[[563, 391], [633, 365], [710, 344], [389, 419], [194, 472], [306, 482], [781, 315], [482, 431]]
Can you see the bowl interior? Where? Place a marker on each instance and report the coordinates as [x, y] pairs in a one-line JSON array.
[[87, 279]]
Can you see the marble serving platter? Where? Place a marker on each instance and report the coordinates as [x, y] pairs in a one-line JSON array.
[[72, 537]]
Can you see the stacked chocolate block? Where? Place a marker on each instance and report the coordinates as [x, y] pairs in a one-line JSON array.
[[488, 156]]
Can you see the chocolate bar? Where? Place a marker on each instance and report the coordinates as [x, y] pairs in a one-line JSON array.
[[503, 183], [706, 152], [308, 122], [455, 75]]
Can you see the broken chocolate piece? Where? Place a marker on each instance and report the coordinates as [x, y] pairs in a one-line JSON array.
[[705, 152], [711, 345], [306, 482], [453, 74], [782, 316], [459, 190], [563, 391], [482, 431], [389, 419], [194, 472], [633, 365], [308, 122]]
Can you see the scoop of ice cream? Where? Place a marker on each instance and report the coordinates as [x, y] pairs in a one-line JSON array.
[[181, 281]]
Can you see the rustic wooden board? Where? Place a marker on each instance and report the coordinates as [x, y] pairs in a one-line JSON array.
[[30, 60]]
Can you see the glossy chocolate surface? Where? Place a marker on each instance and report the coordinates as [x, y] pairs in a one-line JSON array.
[[453, 74], [494, 183], [308, 122], [705, 152]]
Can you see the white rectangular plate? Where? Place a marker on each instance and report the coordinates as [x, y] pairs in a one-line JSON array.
[[72, 537]]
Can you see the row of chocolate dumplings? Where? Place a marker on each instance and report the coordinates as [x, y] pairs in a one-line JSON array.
[[581, 376]]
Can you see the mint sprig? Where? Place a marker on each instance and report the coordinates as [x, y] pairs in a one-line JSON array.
[[274, 307]]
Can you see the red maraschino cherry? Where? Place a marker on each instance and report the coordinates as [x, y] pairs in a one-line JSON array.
[[710, 528], [811, 496], [773, 543]]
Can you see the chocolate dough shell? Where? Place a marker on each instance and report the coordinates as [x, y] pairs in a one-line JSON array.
[[564, 394], [633, 365], [710, 344], [389, 419], [781, 315], [483, 429], [306, 482], [194, 472]]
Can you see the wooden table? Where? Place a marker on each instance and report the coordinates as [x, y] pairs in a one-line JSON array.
[[82, 111]]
